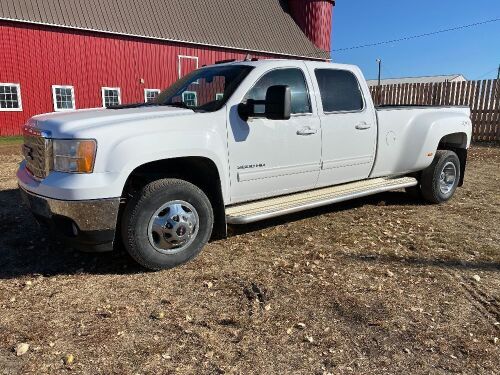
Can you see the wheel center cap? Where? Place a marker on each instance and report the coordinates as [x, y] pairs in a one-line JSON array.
[[173, 227]]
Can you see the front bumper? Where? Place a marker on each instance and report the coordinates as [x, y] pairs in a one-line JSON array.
[[88, 225]]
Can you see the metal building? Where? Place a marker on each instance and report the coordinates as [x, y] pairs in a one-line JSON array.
[[60, 55]]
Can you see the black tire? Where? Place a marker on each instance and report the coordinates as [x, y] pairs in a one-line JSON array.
[[140, 210], [430, 181]]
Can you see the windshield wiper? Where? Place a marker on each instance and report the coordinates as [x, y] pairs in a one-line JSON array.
[[177, 105], [150, 104], [133, 105]]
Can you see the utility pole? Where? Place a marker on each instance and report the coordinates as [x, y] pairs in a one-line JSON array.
[[379, 62]]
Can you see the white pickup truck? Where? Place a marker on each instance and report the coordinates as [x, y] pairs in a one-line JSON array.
[[231, 143]]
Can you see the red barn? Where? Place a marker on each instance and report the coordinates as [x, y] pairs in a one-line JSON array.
[[60, 55]]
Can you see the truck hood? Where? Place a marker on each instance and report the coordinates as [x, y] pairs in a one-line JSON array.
[[72, 123]]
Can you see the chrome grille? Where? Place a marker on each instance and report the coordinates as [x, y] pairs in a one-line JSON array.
[[37, 152]]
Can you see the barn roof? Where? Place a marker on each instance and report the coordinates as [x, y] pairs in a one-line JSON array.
[[250, 25]]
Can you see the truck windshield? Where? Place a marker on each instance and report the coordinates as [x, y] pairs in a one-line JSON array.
[[205, 89]]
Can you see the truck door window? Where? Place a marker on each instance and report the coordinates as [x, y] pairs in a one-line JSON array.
[[339, 90], [292, 77]]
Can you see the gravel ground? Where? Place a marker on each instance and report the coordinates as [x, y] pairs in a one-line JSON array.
[[381, 285]]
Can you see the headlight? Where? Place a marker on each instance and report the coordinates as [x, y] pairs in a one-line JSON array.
[[74, 155]]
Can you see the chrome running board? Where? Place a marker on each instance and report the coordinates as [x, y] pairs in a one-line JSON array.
[[272, 207]]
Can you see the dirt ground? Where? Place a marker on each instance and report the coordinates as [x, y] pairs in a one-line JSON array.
[[382, 285]]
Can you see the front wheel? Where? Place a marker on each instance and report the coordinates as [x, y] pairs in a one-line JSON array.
[[167, 224], [440, 180]]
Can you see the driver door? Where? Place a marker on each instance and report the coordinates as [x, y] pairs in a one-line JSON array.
[[275, 157]]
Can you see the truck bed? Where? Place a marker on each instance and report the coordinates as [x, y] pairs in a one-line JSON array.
[[408, 135], [414, 106]]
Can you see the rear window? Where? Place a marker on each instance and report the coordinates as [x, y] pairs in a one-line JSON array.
[[339, 90]]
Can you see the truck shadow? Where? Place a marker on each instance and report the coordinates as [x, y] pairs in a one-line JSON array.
[[383, 199], [26, 250]]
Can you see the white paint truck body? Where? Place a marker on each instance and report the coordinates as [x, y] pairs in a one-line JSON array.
[[332, 135]]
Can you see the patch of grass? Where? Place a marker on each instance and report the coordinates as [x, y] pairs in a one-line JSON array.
[[11, 140]]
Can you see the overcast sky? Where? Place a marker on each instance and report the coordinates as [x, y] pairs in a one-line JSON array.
[[474, 52]]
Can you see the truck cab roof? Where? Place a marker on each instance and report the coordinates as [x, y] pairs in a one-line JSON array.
[[288, 62]]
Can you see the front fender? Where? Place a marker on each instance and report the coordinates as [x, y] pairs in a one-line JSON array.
[[125, 146], [150, 148]]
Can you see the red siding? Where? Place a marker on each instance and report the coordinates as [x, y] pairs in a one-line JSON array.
[[315, 19], [38, 57]]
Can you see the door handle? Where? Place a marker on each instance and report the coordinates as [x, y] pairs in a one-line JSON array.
[[306, 131], [363, 126]]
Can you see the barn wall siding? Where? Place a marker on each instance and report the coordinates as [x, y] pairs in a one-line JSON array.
[[38, 57]]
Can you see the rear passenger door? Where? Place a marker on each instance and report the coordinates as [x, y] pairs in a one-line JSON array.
[[349, 127]]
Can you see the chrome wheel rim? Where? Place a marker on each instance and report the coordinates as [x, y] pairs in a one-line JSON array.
[[447, 178], [173, 227]]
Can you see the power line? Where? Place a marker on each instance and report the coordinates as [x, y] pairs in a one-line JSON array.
[[487, 73], [417, 36]]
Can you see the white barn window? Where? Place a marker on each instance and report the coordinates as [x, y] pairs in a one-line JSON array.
[[10, 97], [150, 95], [190, 98], [186, 64], [63, 98], [219, 96], [111, 96]]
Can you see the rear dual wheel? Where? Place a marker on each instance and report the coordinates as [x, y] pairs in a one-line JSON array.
[[439, 181], [167, 224]]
